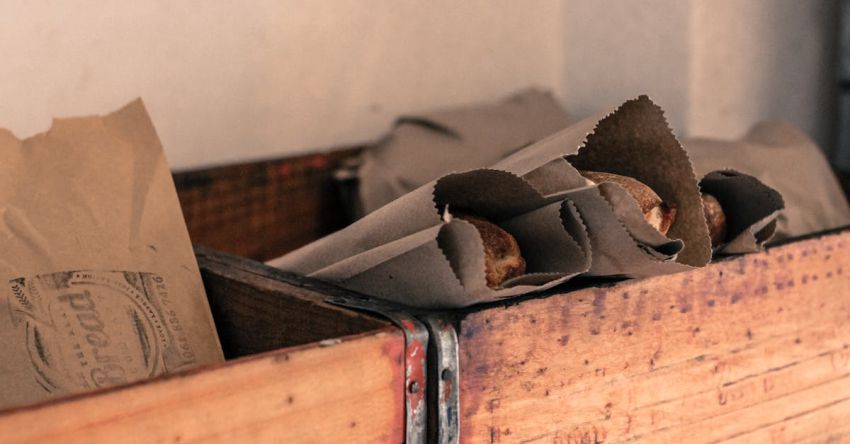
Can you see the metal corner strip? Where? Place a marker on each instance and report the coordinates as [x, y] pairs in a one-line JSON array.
[[445, 373], [415, 361]]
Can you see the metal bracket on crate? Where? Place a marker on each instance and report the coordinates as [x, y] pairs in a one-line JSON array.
[[444, 372], [415, 360]]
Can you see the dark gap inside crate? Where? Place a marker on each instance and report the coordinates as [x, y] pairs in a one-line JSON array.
[[255, 313]]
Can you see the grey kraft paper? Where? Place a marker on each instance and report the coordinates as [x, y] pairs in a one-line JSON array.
[[423, 147], [98, 280], [751, 209], [785, 159], [412, 250]]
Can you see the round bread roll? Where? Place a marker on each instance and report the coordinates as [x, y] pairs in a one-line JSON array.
[[657, 213], [715, 218], [502, 258]]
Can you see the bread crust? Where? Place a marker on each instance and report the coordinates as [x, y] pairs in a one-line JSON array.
[[715, 217], [502, 257], [657, 213]]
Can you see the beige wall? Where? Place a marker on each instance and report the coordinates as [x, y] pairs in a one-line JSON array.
[[235, 80], [716, 66], [230, 80], [763, 59], [616, 49]]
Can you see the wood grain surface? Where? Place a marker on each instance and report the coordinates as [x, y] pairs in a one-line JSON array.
[[350, 391], [257, 308], [751, 349]]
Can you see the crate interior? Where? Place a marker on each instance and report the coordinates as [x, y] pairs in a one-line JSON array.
[[258, 309]]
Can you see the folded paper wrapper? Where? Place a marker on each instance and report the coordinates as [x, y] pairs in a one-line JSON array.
[[424, 147], [409, 252], [784, 158], [102, 285]]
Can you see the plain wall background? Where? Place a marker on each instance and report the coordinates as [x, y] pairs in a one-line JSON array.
[[226, 81], [760, 59], [716, 66]]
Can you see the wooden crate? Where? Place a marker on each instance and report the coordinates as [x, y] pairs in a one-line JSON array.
[[751, 349], [755, 348], [265, 208], [298, 370]]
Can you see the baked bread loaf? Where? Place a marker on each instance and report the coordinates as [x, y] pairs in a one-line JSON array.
[[502, 257], [657, 213], [715, 218]]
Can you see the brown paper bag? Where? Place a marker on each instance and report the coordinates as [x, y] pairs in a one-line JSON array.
[[633, 140], [101, 283], [421, 148], [783, 158], [413, 252], [751, 208]]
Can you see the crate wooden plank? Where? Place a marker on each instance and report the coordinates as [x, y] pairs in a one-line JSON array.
[[257, 308], [351, 391], [750, 349]]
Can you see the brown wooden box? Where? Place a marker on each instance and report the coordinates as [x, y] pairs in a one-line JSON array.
[[298, 370], [750, 349], [755, 349]]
